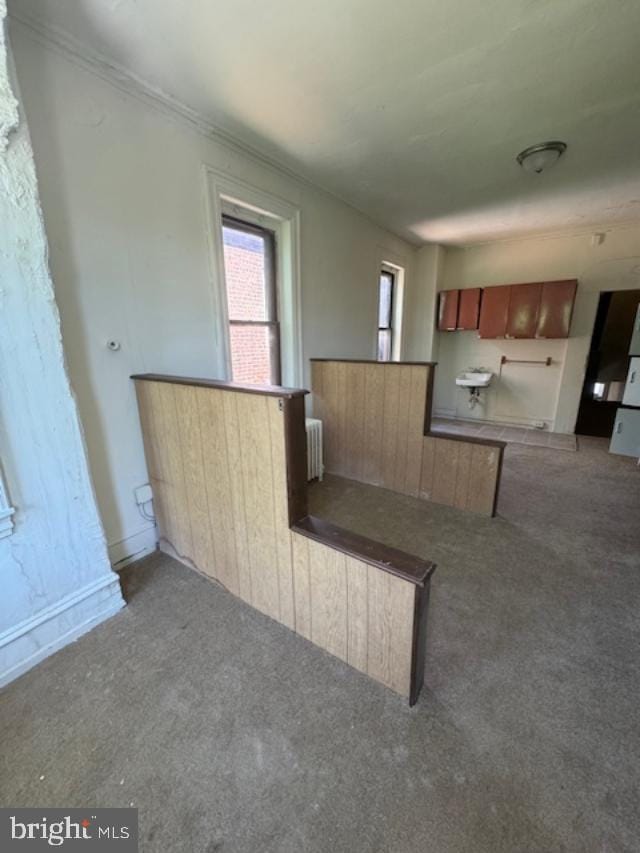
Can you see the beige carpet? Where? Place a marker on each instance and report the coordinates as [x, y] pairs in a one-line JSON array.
[[231, 734]]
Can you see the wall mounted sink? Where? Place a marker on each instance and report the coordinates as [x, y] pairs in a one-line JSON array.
[[471, 379]]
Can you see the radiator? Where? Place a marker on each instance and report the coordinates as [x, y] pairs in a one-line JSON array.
[[315, 468]]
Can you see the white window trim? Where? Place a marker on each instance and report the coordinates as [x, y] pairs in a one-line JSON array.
[[225, 194], [6, 511], [398, 308]]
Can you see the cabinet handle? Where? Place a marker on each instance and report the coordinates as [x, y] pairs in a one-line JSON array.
[[619, 427], [632, 378]]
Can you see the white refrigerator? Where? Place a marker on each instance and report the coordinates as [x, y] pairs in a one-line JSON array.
[[625, 439]]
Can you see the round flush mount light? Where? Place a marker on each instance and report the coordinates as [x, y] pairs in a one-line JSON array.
[[537, 158]]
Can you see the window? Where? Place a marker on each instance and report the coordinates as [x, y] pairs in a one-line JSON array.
[[254, 331], [385, 315]]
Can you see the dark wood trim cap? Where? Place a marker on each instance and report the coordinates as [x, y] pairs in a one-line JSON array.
[[398, 563], [375, 361], [263, 390], [419, 641], [468, 439]]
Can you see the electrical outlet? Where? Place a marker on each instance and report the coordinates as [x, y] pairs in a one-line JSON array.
[[143, 494], [538, 424]]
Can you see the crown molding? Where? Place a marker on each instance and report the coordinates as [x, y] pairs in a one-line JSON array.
[[77, 52]]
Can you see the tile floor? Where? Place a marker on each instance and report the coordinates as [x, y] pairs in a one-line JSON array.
[[520, 435]]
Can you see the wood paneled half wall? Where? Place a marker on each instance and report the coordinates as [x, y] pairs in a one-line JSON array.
[[377, 425], [227, 465]]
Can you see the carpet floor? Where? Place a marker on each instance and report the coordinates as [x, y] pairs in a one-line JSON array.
[[229, 733]]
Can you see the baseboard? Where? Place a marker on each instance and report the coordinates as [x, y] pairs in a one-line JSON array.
[[26, 644], [504, 421], [133, 547]]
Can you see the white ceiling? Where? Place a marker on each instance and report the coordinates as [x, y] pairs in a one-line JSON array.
[[411, 110]]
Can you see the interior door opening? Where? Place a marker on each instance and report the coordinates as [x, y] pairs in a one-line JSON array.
[[608, 362]]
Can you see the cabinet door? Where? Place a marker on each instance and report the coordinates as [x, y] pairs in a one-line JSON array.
[[448, 310], [626, 433], [632, 388], [469, 308], [556, 308], [493, 312], [524, 307], [634, 346]]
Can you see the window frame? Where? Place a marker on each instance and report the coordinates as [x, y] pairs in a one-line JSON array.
[[226, 193], [389, 274], [271, 287]]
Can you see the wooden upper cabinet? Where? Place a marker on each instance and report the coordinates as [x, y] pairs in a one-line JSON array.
[[524, 307], [556, 308], [448, 310], [537, 310], [493, 312], [469, 308]]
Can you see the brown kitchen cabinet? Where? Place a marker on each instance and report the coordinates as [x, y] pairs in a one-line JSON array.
[[524, 308], [448, 310], [556, 308], [469, 308], [532, 310], [494, 311]]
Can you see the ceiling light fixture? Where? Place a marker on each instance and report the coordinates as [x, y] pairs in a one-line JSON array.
[[537, 158]]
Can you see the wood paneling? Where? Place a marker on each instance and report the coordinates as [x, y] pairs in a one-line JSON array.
[[225, 471], [389, 634], [356, 612], [392, 416], [419, 384], [301, 585], [373, 434], [448, 301], [494, 311], [556, 308], [469, 308], [186, 400], [328, 588], [384, 557], [524, 307]]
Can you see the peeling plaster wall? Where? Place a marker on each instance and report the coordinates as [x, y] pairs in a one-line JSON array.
[[122, 190], [55, 575], [534, 393]]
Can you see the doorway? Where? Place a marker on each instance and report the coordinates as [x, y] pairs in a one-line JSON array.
[[608, 363]]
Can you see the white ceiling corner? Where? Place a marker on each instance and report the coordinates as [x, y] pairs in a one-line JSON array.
[[413, 112]]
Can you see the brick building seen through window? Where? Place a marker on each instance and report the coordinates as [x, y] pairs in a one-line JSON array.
[[254, 333]]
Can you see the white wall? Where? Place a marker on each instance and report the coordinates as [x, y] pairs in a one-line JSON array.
[[123, 195], [54, 571], [524, 393], [421, 303]]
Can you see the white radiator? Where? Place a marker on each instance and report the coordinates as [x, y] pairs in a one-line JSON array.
[[315, 467]]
